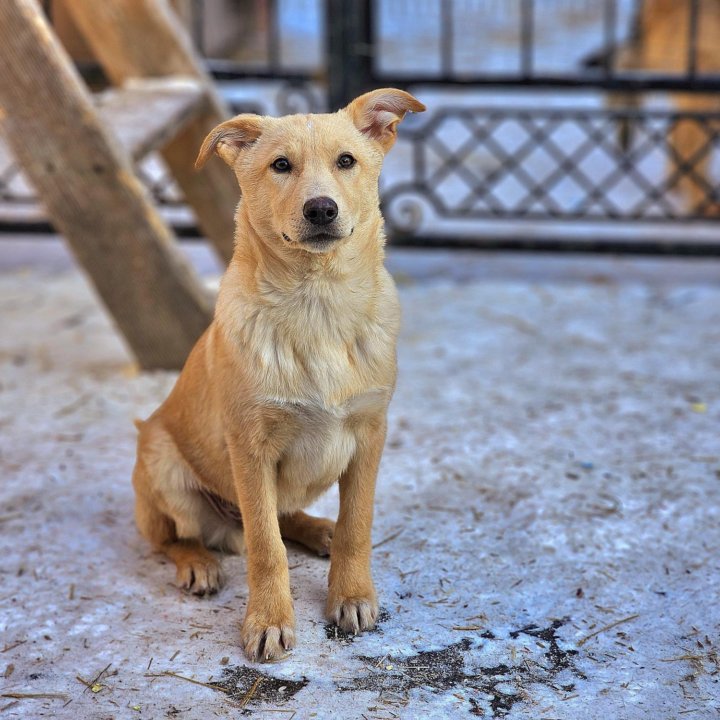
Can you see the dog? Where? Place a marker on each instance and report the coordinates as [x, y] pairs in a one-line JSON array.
[[287, 391], [660, 42]]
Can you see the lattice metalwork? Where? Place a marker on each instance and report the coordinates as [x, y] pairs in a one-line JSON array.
[[539, 164]]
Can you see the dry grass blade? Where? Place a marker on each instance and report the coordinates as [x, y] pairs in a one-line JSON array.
[[167, 673], [467, 627], [607, 627], [388, 538], [35, 696], [249, 694]]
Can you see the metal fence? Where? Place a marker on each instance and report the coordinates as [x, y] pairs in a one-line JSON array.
[[551, 123]]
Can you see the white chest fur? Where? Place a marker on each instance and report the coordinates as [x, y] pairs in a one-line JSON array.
[[322, 447]]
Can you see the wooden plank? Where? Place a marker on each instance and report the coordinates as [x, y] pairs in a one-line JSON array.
[[92, 195], [145, 115], [144, 38]]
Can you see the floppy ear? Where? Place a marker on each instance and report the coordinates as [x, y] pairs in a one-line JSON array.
[[229, 138], [377, 113]]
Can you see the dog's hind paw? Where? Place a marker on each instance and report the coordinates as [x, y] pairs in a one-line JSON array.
[[200, 577]]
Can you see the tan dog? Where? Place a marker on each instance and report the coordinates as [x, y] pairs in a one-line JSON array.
[[662, 44], [287, 390]]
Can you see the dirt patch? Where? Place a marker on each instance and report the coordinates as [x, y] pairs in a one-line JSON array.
[[493, 689], [250, 687]]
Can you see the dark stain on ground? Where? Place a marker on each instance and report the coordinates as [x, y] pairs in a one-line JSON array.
[[558, 657], [333, 632], [252, 687], [499, 686]]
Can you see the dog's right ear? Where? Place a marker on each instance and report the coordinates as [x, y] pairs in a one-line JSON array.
[[230, 138]]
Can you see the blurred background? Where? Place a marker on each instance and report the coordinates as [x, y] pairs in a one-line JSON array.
[[551, 123]]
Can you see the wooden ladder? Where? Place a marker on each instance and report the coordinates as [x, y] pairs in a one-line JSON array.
[[79, 150]]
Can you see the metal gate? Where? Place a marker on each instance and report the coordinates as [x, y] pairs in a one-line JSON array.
[[551, 123]]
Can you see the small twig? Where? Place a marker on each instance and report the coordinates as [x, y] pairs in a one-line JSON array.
[[10, 516], [607, 627], [100, 674], [248, 695], [7, 648], [388, 538], [83, 681], [679, 658], [175, 654], [167, 673], [467, 627], [31, 696]]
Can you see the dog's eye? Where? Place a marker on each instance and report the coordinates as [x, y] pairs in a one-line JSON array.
[[345, 161], [281, 165]]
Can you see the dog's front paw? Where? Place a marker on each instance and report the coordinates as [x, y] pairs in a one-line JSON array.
[[353, 615], [265, 640]]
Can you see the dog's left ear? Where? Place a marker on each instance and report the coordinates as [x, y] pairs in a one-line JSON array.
[[377, 113], [229, 139]]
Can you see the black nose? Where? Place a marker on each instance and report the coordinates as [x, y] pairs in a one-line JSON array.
[[320, 210]]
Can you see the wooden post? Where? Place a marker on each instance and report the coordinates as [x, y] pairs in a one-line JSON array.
[[92, 195], [144, 38]]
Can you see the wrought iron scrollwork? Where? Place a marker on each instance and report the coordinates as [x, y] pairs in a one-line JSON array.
[[295, 97], [404, 209]]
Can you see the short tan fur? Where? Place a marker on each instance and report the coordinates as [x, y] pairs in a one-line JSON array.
[[287, 391]]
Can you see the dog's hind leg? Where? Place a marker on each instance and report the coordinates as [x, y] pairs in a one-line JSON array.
[[172, 518], [312, 532]]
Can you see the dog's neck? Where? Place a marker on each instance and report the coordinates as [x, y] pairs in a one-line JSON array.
[[287, 267]]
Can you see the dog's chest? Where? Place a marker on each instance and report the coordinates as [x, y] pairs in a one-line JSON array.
[[322, 446]]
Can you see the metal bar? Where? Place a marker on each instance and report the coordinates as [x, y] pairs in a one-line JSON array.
[[231, 70], [591, 245], [446, 36], [273, 37], [609, 30], [527, 22], [349, 27], [591, 80], [551, 243], [693, 37]]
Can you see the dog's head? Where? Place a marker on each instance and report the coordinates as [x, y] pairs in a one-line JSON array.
[[311, 181]]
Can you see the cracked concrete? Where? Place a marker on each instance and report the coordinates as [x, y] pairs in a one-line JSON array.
[[547, 519]]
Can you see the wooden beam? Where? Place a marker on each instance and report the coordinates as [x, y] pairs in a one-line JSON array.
[[144, 38], [92, 195], [146, 114]]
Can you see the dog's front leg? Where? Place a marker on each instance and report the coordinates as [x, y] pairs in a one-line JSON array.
[[352, 602], [269, 627]]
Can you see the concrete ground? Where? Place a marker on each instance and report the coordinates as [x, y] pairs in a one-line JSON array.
[[547, 523]]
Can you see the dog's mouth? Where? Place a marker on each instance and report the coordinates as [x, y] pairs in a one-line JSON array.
[[317, 240]]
